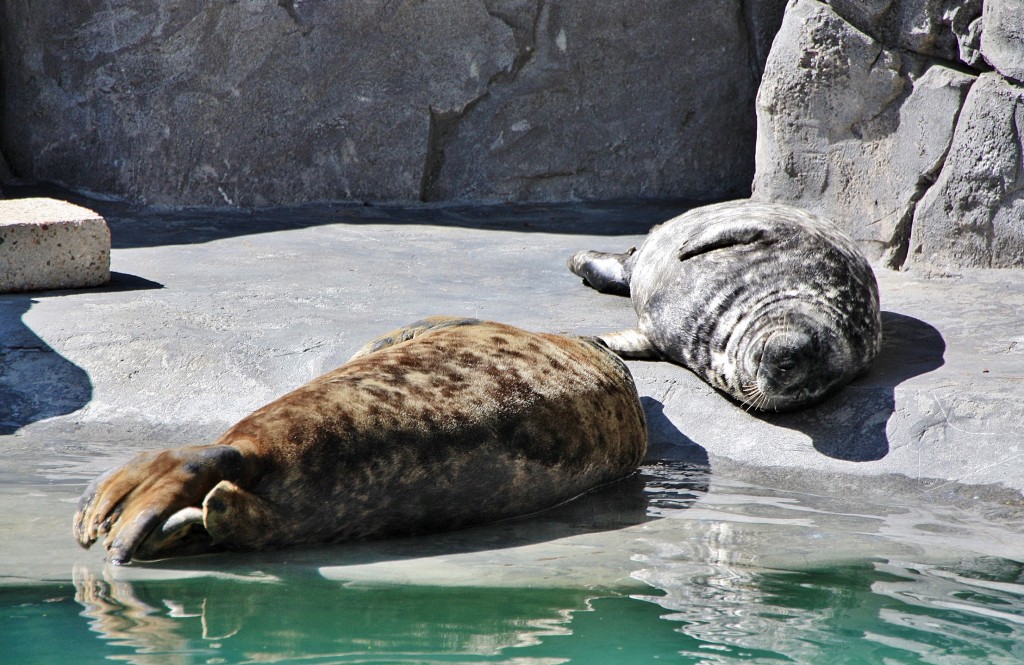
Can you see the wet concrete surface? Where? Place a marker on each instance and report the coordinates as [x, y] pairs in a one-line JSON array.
[[212, 314]]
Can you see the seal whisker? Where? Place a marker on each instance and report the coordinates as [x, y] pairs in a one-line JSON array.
[[753, 396]]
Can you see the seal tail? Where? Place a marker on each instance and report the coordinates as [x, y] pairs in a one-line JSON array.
[[630, 344], [603, 271]]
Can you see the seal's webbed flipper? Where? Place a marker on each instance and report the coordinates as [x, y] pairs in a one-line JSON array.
[[182, 534], [603, 271], [155, 495], [630, 344], [721, 237]]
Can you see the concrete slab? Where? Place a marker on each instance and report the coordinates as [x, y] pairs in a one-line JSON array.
[[51, 244], [210, 315]]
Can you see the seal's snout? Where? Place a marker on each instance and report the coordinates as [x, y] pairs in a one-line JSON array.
[[787, 360]]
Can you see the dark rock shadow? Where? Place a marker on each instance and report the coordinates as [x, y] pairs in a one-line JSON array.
[[135, 225], [851, 424], [37, 382]]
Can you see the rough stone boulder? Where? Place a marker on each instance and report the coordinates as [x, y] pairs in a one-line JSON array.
[[887, 117], [1002, 42], [974, 213], [945, 29], [266, 102]]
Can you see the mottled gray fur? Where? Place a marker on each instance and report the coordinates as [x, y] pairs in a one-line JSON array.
[[769, 303]]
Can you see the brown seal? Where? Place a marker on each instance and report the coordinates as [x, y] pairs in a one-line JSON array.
[[444, 424]]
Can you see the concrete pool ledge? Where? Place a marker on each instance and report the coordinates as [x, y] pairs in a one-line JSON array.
[[944, 401], [210, 314]]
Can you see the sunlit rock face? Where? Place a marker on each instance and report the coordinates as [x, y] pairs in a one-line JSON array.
[[900, 120], [263, 103]]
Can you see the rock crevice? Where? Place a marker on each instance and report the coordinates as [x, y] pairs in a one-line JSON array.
[[872, 114]]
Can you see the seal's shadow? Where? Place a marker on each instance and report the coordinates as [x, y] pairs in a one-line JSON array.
[[851, 425], [37, 382], [665, 443]]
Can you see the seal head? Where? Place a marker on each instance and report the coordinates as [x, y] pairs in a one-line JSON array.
[[783, 369]]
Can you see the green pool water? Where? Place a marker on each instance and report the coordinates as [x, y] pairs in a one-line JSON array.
[[871, 613], [673, 568]]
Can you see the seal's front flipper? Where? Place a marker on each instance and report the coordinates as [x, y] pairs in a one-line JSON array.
[[182, 534], [630, 344], [411, 331], [721, 237], [123, 507], [230, 518], [603, 271], [238, 519]]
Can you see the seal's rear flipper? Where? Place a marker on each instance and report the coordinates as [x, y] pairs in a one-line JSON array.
[[604, 271], [630, 344]]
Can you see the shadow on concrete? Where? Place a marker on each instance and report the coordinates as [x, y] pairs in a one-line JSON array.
[[139, 226], [665, 443], [37, 382], [851, 425]]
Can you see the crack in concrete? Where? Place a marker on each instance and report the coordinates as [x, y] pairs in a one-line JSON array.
[[443, 125], [291, 7], [8, 350]]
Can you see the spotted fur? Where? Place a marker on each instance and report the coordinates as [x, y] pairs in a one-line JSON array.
[[443, 424], [768, 303]]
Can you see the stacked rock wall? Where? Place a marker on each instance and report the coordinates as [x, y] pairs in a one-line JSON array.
[[263, 102], [902, 120]]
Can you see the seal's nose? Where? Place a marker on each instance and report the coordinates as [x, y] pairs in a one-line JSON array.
[[786, 359]]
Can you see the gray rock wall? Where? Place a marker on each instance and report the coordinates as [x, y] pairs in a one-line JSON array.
[[901, 120], [264, 102]]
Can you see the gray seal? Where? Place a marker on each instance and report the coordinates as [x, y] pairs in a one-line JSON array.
[[768, 303], [442, 424]]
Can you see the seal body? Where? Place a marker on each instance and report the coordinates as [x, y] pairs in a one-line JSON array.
[[768, 303], [444, 424]]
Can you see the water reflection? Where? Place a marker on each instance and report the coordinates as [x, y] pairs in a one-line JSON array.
[[117, 614], [314, 620], [871, 612]]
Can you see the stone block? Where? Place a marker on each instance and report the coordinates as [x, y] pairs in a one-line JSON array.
[[50, 244]]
